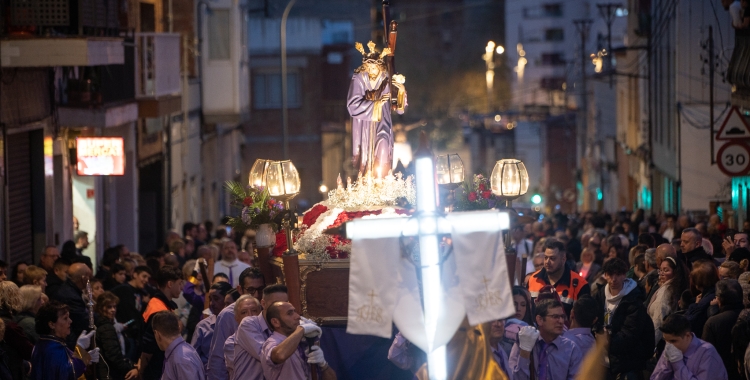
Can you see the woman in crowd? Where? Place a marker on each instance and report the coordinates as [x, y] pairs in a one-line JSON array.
[[703, 278], [10, 305], [16, 275], [523, 305], [673, 280], [587, 268], [729, 270], [34, 275], [52, 359], [110, 341], [96, 287], [32, 298]]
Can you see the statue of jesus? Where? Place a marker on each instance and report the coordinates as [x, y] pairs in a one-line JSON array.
[[369, 104]]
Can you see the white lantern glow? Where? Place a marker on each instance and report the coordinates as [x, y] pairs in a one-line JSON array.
[[282, 180], [509, 179]]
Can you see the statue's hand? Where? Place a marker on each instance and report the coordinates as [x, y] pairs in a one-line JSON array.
[[371, 95], [398, 85], [385, 97]]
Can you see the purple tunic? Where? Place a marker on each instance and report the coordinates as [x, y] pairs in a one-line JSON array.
[[563, 358], [582, 337], [181, 362], [225, 326], [204, 332], [364, 114], [251, 334], [229, 355], [700, 361], [294, 368]]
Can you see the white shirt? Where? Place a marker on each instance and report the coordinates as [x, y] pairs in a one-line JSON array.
[[236, 269]]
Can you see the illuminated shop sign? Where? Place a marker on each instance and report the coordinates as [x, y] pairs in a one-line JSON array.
[[100, 156]]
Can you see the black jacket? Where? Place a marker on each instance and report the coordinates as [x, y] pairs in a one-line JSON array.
[[106, 339], [697, 254], [16, 345], [154, 369], [631, 339], [53, 285], [130, 308], [718, 332], [70, 295], [699, 312]]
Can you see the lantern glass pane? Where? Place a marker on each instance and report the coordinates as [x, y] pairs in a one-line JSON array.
[[274, 179], [291, 178], [524, 178], [510, 180], [456, 168], [442, 170], [257, 173], [495, 178]]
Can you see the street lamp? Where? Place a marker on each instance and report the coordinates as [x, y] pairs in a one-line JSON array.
[[283, 183], [450, 174], [258, 173]]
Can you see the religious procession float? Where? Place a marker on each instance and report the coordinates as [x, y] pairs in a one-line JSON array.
[[383, 242]]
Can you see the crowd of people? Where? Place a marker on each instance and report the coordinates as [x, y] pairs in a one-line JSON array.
[[669, 298], [145, 316], [657, 297]]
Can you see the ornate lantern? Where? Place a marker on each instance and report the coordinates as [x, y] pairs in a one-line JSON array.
[[282, 180], [509, 179]]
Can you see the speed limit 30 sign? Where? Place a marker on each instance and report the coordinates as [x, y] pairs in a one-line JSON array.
[[734, 159]]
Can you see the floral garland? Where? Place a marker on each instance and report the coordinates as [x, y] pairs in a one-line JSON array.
[[475, 195], [256, 206], [319, 246]]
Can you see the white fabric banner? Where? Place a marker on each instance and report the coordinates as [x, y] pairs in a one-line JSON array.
[[481, 268], [383, 287], [372, 286]]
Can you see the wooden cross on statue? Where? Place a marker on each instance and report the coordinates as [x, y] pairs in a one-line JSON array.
[[451, 287]]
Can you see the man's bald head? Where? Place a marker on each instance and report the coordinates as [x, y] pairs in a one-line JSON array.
[[663, 251], [79, 273]]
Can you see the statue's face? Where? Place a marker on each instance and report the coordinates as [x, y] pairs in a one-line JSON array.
[[372, 69]]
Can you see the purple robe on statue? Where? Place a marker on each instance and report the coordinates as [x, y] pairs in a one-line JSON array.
[[368, 116]]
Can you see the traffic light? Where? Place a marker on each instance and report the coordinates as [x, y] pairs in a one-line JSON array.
[[536, 199]]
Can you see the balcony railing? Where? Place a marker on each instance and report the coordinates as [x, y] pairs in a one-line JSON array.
[[97, 86], [62, 17], [157, 69]]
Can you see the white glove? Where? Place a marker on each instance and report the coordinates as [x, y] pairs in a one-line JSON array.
[[119, 327], [94, 355], [527, 337], [84, 340], [311, 330], [672, 353], [315, 356]]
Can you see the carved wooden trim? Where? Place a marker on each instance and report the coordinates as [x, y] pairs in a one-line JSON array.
[[303, 287]]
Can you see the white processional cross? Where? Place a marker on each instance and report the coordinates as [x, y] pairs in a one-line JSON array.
[[427, 224]]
